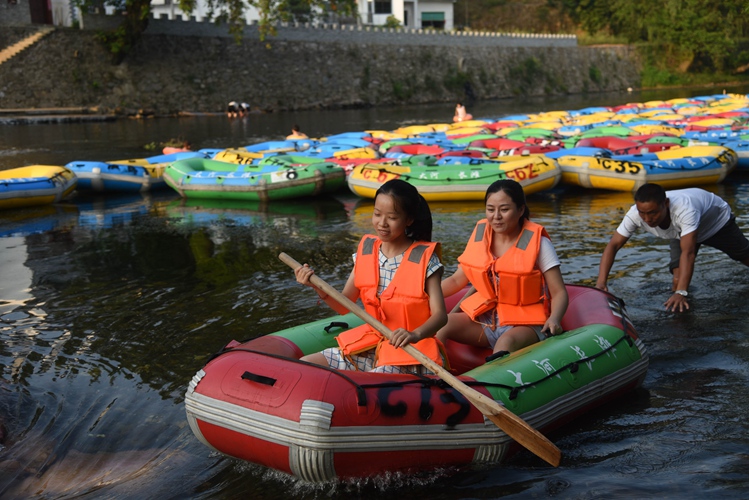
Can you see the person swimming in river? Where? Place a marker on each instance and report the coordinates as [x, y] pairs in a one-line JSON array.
[[296, 133]]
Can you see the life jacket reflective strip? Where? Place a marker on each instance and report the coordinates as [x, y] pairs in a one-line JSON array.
[[403, 304], [520, 296]]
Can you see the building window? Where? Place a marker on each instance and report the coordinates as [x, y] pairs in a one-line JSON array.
[[383, 7], [433, 20]]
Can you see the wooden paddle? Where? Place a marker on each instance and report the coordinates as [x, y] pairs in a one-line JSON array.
[[514, 426]]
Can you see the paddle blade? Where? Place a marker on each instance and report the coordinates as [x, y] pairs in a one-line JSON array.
[[512, 425], [526, 436]]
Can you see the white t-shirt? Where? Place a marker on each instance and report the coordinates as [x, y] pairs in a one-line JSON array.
[[547, 256], [691, 210]]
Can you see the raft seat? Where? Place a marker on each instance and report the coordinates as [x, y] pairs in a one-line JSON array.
[[274, 344], [587, 305], [464, 357]]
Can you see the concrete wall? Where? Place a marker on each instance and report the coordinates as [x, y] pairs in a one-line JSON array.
[[167, 74], [15, 13], [346, 33]]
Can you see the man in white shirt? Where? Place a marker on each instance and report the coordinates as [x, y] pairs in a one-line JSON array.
[[689, 218]]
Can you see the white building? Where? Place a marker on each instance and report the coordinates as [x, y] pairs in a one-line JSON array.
[[410, 13], [414, 14], [170, 8], [25, 12]]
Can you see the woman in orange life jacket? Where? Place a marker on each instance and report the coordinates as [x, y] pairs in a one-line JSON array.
[[518, 295], [397, 276]]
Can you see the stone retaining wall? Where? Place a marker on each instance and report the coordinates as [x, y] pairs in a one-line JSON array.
[[169, 74]]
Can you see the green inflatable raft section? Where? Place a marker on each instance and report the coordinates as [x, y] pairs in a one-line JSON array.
[[525, 379]]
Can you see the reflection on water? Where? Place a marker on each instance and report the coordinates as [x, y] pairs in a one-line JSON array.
[[106, 315], [108, 306], [15, 285]]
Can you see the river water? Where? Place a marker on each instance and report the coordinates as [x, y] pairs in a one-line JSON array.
[[108, 306]]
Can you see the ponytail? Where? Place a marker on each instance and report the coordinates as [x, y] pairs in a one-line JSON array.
[[421, 228]]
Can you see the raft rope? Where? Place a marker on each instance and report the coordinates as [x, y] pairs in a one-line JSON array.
[[422, 380], [501, 173], [656, 164], [573, 367]]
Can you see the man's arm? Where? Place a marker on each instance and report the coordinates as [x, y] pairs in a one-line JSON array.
[[616, 242], [683, 274]]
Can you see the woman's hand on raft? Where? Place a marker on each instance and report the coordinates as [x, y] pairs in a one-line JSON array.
[[552, 327]]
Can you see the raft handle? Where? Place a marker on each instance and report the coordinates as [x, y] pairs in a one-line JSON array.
[[338, 324], [496, 355], [258, 378]]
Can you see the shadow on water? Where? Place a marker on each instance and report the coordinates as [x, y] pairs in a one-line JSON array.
[[108, 306]]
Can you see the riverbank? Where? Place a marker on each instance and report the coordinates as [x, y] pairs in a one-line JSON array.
[[169, 75], [77, 114], [25, 116]]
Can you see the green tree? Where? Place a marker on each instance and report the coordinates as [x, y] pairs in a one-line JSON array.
[[134, 22], [702, 33], [529, 16], [392, 22]]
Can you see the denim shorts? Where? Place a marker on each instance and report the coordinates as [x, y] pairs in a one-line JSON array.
[[493, 334], [729, 240]]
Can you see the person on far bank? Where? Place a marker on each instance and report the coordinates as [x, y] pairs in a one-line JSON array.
[[514, 270], [461, 114], [232, 109], [689, 218], [397, 274]]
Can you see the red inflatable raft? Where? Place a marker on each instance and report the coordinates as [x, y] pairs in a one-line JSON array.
[[257, 402]]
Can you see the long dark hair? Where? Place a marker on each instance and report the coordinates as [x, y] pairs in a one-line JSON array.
[[514, 190], [409, 201]]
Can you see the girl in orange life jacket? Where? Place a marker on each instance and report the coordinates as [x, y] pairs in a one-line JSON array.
[[397, 275], [514, 270]]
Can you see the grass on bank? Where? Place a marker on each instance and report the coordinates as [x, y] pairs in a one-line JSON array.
[[669, 67], [586, 39]]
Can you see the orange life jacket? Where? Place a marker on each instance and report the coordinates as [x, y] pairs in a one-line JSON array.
[[520, 295], [403, 304]]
